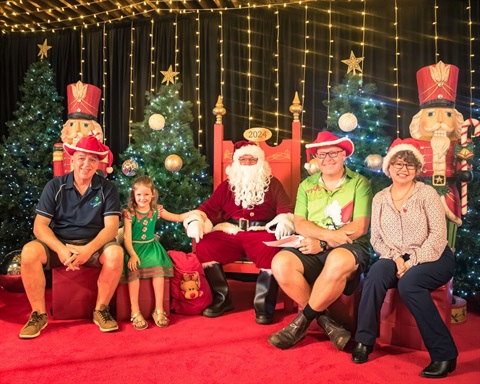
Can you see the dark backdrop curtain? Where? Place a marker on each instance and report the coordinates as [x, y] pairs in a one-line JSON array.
[[107, 63]]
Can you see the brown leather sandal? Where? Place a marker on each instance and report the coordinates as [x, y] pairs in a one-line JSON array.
[[139, 321], [160, 317]]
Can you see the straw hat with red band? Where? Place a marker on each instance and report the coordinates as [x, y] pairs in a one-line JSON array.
[[89, 144], [243, 147], [325, 139], [401, 145]]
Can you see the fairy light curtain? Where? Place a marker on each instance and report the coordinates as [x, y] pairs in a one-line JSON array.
[[281, 30]]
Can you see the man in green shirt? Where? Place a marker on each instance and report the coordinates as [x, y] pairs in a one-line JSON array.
[[332, 215]]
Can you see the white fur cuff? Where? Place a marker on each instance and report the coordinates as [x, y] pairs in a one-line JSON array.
[[285, 218]]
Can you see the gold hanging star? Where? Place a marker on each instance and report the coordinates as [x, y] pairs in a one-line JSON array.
[[43, 49], [169, 76], [352, 63]]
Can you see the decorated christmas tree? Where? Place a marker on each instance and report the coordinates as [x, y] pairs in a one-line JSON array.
[[467, 269], [162, 147], [354, 112], [26, 155]]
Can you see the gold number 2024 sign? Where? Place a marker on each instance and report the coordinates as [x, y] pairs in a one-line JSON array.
[[257, 134]]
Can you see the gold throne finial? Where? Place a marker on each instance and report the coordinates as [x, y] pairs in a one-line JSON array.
[[219, 111], [296, 108]]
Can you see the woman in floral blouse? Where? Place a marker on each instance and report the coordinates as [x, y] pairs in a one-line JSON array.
[[409, 235]]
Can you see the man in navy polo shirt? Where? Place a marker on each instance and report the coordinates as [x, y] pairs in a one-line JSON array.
[[75, 226]]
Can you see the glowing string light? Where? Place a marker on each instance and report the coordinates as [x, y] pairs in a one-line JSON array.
[[199, 133], [304, 66], [397, 54], [82, 49], [277, 81], [222, 68], [435, 8], [471, 56], [130, 99], [104, 78], [249, 89], [152, 49], [330, 57]]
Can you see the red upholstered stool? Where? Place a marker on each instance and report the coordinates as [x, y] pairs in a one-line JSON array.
[[397, 325], [146, 299], [344, 310], [74, 293]]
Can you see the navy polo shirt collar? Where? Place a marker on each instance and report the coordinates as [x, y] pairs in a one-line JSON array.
[[94, 184]]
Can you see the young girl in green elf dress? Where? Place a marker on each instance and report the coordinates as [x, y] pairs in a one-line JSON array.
[[145, 257]]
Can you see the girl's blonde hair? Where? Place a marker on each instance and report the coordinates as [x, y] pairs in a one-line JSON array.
[[146, 182]]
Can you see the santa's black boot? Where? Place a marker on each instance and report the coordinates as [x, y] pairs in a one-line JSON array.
[[222, 302], [266, 292]]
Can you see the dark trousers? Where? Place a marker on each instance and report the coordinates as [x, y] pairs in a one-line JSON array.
[[414, 288]]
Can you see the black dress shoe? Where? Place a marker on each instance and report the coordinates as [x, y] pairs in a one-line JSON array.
[[337, 334], [439, 369], [360, 353], [264, 319], [291, 334]]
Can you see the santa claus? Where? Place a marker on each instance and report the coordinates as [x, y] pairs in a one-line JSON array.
[[437, 129], [248, 208]]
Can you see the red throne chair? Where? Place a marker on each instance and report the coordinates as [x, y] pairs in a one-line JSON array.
[[284, 160], [397, 325]]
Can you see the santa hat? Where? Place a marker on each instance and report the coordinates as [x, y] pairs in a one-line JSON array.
[[90, 144], [325, 139], [241, 148], [401, 145], [83, 101], [437, 85]]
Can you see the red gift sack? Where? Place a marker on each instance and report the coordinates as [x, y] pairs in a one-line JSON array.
[[189, 289]]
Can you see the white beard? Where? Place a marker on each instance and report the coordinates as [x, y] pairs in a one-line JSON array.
[[249, 183], [440, 144]]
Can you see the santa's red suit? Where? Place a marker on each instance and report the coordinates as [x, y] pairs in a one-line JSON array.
[[250, 207], [224, 247]]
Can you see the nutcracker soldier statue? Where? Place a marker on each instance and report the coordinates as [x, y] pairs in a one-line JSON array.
[[437, 128], [83, 102]]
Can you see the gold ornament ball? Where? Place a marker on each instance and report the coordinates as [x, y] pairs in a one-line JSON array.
[[173, 163], [156, 121], [374, 162], [347, 122], [312, 167]]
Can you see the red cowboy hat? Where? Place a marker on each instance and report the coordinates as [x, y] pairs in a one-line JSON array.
[[88, 144], [325, 139]]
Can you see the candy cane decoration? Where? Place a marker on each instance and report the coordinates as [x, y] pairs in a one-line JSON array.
[[464, 165]]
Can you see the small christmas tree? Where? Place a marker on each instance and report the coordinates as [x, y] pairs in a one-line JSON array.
[[163, 148], [352, 97], [26, 154]]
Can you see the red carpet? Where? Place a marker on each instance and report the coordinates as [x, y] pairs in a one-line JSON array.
[[197, 350]]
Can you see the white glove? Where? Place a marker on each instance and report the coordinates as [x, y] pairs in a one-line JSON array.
[[283, 229], [195, 230]]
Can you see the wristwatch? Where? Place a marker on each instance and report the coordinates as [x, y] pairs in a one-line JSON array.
[[324, 245]]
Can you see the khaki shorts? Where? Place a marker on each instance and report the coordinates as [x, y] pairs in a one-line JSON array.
[[93, 262]]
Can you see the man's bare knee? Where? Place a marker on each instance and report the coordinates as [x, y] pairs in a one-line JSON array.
[[112, 257], [283, 264], [32, 253]]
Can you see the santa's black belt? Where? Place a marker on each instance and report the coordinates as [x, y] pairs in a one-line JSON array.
[[245, 223]]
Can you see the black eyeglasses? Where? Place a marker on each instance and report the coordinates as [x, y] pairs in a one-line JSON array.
[[323, 155], [410, 167]]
